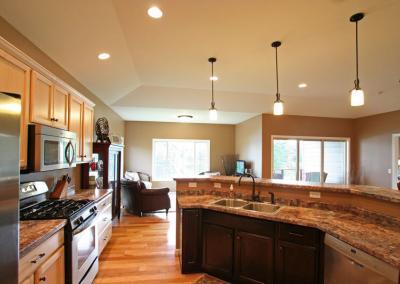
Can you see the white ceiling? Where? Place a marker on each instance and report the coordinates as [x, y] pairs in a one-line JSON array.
[[158, 68]]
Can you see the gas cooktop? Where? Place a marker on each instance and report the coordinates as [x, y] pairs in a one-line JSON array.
[[54, 209]]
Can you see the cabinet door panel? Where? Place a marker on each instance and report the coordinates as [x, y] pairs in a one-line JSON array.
[[60, 108], [218, 250], [191, 240], [75, 118], [87, 132], [254, 258], [296, 264], [15, 78], [41, 99], [52, 271]]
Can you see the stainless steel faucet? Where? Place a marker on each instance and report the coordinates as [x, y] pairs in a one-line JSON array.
[[254, 197]]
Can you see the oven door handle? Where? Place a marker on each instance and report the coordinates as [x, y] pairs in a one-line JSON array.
[[68, 153], [87, 224]]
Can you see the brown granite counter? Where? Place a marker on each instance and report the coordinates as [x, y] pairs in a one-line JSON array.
[[92, 194], [33, 233], [380, 193], [378, 237]]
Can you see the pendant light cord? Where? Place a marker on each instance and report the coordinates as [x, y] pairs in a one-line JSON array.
[[357, 81], [212, 85], [276, 71]]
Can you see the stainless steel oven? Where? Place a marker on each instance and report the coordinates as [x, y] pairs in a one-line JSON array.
[[84, 250], [51, 148]]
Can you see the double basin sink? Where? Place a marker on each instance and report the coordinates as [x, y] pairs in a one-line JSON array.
[[246, 205]]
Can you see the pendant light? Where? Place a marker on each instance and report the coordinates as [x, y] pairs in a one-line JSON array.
[[213, 114], [357, 94], [278, 104]]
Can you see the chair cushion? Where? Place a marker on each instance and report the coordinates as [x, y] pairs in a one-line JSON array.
[[132, 176], [147, 184]]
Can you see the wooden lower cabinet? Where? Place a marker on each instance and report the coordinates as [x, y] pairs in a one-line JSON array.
[[218, 250], [254, 258], [296, 263], [52, 270], [191, 241], [29, 280], [249, 250]]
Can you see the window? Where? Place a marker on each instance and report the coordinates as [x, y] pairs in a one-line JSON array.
[[310, 159], [179, 158]]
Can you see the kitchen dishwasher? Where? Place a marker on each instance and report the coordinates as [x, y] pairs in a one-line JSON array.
[[346, 264]]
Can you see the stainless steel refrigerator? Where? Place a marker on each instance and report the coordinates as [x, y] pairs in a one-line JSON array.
[[10, 113]]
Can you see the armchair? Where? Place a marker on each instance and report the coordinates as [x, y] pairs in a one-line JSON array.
[[137, 199]]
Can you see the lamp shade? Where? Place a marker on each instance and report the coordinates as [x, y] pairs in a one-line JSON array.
[[213, 114], [278, 108], [357, 97]]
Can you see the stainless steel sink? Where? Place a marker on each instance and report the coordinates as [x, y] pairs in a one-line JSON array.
[[262, 207], [231, 202]]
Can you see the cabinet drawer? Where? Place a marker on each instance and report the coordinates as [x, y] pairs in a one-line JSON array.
[[104, 237], [102, 204], [104, 219], [298, 234], [30, 262]]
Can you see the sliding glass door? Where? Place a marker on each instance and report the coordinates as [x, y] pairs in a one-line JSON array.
[[310, 159]]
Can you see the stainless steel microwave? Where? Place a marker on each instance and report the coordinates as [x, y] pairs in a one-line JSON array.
[[51, 148]]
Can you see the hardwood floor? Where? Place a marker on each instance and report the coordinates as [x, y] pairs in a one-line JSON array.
[[142, 250]]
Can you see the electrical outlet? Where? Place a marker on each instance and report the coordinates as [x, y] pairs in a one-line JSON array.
[[217, 185], [192, 184], [315, 194]]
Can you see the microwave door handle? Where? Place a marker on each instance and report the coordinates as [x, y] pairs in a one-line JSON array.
[[68, 153]]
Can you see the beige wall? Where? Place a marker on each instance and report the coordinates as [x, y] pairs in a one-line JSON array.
[[294, 125], [373, 152], [139, 135], [248, 143], [17, 39]]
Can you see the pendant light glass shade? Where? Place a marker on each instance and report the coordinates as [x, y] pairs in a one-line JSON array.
[[357, 97], [212, 113], [357, 94], [278, 108]]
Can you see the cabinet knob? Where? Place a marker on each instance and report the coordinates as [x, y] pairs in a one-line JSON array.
[[238, 238], [42, 279]]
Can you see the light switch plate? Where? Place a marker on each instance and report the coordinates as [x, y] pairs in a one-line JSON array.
[[192, 184], [315, 194], [217, 185]]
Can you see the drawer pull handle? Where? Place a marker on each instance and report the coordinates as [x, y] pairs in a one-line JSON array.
[[42, 279], [296, 235], [104, 204], [38, 258], [105, 219]]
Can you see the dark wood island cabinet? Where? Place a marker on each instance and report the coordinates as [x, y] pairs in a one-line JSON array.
[[241, 249]]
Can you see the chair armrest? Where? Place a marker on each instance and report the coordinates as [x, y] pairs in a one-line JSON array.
[[155, 191]]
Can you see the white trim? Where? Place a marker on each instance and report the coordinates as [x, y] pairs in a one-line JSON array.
[[395, 157], [313, 138], [21, 56], [176, 140]]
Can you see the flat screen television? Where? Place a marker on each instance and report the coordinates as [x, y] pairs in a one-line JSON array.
[[240, 167]]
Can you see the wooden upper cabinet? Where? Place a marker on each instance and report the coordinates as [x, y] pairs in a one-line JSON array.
[[60, 107], [52, 271], [75, 123], [15, 78], [41, 99], [88, 116]]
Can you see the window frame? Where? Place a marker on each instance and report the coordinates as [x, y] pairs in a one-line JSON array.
[[313, 138], [155, 140]]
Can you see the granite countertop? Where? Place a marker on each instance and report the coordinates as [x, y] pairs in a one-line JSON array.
[[33, 233], [92, 194], [375, 192], [377, 237]]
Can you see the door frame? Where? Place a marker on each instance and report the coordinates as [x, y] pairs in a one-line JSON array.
[[395, 155]]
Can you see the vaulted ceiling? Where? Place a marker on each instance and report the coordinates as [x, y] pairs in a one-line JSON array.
[[158, 67]]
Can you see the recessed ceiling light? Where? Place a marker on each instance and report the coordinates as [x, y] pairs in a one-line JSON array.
[[185, 116], [155, 12], [103, 56], [213, 78], [302, 85]]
